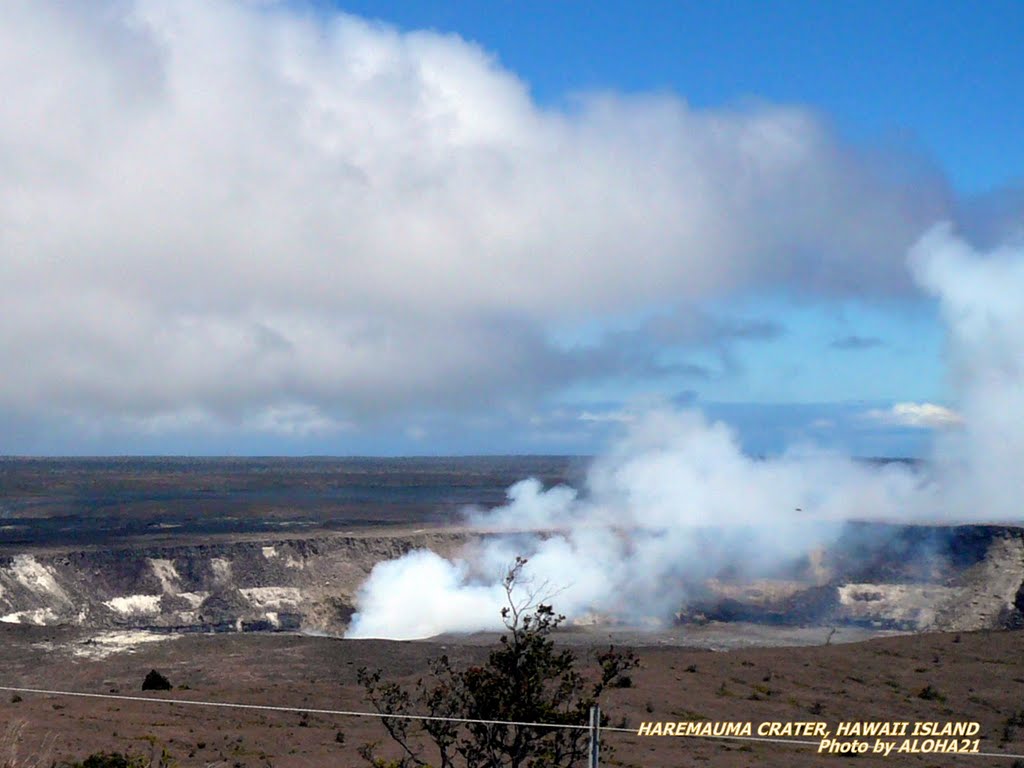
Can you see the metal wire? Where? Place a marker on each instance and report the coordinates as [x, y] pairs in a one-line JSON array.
[[436, 718]]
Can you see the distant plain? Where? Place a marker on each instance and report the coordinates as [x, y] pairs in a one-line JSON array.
[[81, 501]]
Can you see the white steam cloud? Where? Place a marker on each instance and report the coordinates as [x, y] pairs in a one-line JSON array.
[[677, 501], [982, 302]]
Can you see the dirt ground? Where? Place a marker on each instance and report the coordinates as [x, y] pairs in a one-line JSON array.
[[972, 676]]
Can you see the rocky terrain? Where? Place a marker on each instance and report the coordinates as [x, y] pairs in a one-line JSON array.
[[905, 578], [185, 545], [909, 578], [265, 584]]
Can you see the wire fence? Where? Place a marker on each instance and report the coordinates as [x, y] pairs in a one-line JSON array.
[[592, 727]]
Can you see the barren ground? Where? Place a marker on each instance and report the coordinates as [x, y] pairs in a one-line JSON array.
[[977, 676]]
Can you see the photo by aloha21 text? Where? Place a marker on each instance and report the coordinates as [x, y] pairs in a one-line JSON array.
[[848, 737]]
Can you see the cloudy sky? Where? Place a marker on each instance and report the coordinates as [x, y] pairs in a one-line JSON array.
[[258, 227]]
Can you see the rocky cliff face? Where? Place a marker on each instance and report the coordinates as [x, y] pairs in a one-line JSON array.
[[304, 583], [889, 577]]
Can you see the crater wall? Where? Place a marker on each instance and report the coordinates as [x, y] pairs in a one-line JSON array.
[[888, 577], [273, 584]]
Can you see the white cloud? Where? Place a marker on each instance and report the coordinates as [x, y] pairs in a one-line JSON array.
[[217, 208], [617, 417], [293, 420], [919, 415]]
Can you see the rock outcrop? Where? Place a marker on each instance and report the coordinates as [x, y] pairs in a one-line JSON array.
[[913, 578], [286, 584], [880, 576]]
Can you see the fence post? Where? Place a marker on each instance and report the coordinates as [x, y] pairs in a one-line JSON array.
[[595, 736]]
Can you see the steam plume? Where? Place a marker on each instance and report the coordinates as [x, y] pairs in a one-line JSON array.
[[982, 301], [677, 501]]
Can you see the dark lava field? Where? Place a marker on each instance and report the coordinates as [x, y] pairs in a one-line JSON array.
[[81, 501]]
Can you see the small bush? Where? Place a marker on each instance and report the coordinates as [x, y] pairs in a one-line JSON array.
[[929, 693], [1013, 722], [109, 760], [156, 682], [525, 660]]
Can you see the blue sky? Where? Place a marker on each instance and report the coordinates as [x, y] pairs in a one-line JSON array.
[[936, 80], [405, 228], [939, 79]]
